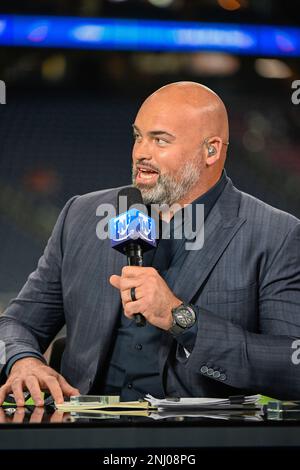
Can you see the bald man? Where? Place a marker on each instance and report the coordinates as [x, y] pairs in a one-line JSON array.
[[221, 320]]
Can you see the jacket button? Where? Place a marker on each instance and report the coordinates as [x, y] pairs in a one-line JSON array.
[[129, 385], [216, 374], [223, 377], [204, 369], [210, 371]]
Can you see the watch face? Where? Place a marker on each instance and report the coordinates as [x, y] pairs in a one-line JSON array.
[[185, 317]]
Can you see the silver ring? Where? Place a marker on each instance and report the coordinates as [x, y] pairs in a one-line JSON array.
[[132, 294]]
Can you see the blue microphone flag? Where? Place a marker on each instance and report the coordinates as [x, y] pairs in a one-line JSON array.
[[132, 225]]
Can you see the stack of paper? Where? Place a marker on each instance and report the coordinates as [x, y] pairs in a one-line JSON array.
[[235, 402]]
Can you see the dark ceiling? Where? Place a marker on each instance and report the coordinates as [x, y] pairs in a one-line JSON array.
[[252, 11]]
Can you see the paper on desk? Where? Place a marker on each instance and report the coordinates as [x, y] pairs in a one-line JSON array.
[[80, 407], [196, 403]]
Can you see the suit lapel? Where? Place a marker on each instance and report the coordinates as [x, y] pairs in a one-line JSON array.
[[187, 276]]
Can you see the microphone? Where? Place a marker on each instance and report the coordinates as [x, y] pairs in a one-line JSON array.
[[132, 232]]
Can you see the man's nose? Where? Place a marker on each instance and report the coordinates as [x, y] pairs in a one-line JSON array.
[[142, 150]]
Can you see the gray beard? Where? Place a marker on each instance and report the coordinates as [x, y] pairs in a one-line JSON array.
[[167, 189]]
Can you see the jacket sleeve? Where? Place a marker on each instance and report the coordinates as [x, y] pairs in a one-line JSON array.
[[32, 320], [266, 361]]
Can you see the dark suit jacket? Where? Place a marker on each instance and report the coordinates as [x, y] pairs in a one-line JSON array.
[[245, 281]]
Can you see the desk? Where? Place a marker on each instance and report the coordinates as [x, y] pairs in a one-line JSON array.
[[56, 431]]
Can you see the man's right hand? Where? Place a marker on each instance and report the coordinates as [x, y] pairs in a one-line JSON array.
[[33, 375]]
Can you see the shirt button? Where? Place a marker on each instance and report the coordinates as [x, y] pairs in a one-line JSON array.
[[204, 369], [138, 346], [129, 385]]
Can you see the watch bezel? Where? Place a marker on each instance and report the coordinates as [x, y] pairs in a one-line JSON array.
[[178, 327]]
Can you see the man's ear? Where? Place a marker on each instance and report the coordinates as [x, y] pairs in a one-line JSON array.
[[213, 150]]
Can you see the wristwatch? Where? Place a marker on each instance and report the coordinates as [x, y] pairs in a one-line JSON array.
[[184, 317]]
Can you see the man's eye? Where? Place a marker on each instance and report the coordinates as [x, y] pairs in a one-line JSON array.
[[160, 141], [136, 136]]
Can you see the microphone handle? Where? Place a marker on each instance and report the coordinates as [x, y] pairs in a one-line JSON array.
[[135, 258]]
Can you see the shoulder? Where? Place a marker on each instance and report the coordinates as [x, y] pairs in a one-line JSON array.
[[263, 221], [81, 211], [259, 211]]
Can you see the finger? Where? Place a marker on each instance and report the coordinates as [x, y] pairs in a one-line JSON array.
[[17, 389], [4, 390], [135, 271], [67, 389], [33, 386], [54, 388], [115, 281], [126, 295], [37, 415], [129, 282], [19, 415], [133, 307]]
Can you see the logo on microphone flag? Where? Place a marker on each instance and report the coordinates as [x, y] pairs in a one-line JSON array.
[[132, 225]]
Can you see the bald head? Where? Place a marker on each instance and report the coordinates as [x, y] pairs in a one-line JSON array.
[[209, 109]]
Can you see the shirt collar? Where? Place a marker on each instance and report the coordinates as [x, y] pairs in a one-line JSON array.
[[212, 195]]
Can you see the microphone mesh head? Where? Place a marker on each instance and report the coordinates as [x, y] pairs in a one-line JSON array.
[[133, 195]]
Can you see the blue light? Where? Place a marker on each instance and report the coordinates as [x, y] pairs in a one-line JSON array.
[[99, 33]]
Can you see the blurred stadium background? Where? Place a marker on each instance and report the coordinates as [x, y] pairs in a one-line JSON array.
[[66, 126]]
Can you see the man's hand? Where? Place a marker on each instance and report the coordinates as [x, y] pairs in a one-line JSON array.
[[33, 375], [154, 298]]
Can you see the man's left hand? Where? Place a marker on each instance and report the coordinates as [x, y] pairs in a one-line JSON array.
[[154, 298]]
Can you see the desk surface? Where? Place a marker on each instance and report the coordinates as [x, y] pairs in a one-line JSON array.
[[44, 429]]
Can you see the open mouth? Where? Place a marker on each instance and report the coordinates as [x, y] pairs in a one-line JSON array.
[[146, 175]]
